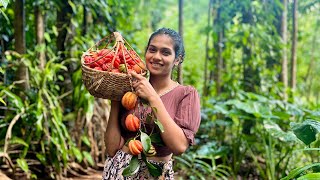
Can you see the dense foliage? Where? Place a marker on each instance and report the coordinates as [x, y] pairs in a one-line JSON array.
[[249, 129]]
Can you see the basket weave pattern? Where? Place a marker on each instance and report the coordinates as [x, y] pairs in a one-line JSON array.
[[105, 84]]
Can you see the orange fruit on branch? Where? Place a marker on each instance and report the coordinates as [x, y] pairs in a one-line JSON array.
[[132, 123], [135, 147], [129, 100]]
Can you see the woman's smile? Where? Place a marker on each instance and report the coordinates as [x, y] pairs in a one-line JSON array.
[[156, 65]]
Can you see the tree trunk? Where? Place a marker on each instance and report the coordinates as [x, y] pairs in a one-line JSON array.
[[85, 21], [218, 47], [213, 58], [63, 22], [309, 76], [205, 76], [251, 77], [180, 75], [20, 42], [284, 72], [294, 45], [39, 18], [64, 14]]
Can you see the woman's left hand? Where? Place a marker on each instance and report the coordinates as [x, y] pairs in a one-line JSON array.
[[142, 86]]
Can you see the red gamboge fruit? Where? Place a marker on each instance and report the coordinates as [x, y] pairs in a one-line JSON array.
[[132, 123], [135, 147], [129, 100], [123, 61]]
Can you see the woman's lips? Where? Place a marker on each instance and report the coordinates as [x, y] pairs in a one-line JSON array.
[[156, 65]]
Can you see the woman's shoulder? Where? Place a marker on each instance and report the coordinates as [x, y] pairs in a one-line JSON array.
[[181, 92], [186, 89]]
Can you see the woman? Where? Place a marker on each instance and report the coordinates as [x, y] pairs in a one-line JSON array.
[[176, 107]]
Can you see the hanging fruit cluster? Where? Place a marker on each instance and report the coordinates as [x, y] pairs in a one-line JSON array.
[[118, 60], [141, 144]]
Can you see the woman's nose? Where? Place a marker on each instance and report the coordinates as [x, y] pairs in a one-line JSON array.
[[157, 55]]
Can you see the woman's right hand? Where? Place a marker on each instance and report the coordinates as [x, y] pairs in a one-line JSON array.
[[142, 86]]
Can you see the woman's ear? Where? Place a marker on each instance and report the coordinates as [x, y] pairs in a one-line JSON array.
[[177, 60]]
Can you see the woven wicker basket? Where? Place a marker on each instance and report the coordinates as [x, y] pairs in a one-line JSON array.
[[105, 84]]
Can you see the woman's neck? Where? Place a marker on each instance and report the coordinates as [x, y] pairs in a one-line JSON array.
[[161, 84]]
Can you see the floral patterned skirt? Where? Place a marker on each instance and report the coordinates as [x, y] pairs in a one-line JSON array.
[[115, 165]]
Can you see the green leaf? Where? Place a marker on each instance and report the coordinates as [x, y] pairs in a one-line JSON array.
[[132, 168], [47, 37], [14, 99], [305, 132], [55, 30], [158, 123], [23, 165], [77, 153], [85, 140], [146, 141], [275, 131], [299, 170], [4, 3], [183, 161], [311, 176], [149, 118], [2, 101], [42, 158], [221, 108], [16, 140], [156, 138], [88, 157], [154, 109], [154, 169]]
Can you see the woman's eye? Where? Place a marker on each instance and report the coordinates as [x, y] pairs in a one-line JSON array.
[[166, 53], [152, 50]]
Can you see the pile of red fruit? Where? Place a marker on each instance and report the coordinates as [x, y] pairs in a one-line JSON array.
[[122, 61]]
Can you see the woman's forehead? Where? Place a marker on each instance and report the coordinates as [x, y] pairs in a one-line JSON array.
[[162, 41]]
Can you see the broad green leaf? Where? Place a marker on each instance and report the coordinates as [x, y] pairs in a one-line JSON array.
[[88, 157], [275, 131], [158, 123], [23, 164], [221, 108], [305, 132], [144, 158], [132, 168], [154, 169], [314, 124], [156, 138], [146, 141], [211, 149], [311, 176]]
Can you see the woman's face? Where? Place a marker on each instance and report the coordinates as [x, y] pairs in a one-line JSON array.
[[160, 55]]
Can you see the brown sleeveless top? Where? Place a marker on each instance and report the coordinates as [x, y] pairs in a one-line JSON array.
[[182, 104]]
